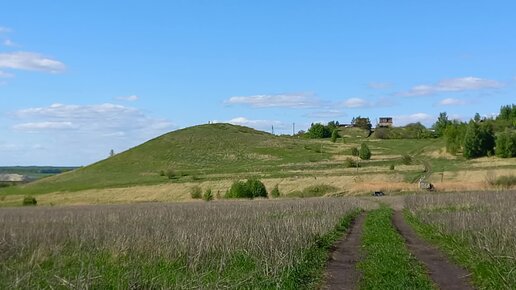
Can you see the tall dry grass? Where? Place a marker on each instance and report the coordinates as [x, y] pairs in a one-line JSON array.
[[188, 245], [484, 222]]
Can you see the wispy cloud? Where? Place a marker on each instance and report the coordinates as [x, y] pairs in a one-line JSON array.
[[423, 118], [354, 103], [326, 114], [99, 119], [38, 126], [4, 75], [452, 102], [30, 61], [4, 29], [378, 85], [452, 85], [8, 42], [295, 101], [131, 98]]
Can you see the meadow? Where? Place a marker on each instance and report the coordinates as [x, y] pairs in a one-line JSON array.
[[259, 244], [477, 230]]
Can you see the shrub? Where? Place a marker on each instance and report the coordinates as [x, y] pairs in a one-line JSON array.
[[196, 192], [349, 162], [334, 135], [171, 174], [506, 181], [208, 195], [314, 191], [506, 144], [29, 200], [250, 189], [354, 151], [364, 153], [275, 191], [406, 159], [162, 173], [391, 167]]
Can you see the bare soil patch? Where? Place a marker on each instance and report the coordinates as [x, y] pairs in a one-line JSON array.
[[341, 272], [445, 274]]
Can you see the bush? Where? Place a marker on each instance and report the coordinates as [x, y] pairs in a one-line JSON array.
[[162, 173], [314, 191], [196, 192], [250, 189], [275, 191], [171, 173], [349, 163], [29, 200], [334, 135], [406, 159], [208, 195], [506, 144], [506, 181], [364, 153], [354, 151], [391, 167]]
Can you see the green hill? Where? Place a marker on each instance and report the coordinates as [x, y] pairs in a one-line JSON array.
[[191, 153]]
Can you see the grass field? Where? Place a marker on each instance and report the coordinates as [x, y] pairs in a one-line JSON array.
[[476, 229], [214, 155], [259, 244]]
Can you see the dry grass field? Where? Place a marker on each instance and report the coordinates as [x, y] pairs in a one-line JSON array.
[[477, 229], [180, 246]]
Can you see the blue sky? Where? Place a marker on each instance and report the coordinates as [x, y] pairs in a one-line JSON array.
[[79, 79]]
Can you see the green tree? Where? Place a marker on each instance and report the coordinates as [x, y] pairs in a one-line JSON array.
[[478, 140], [334, 135], [364, 152], [454, 137], [318, 131], [506, 144], [441, 124], [360, 122]]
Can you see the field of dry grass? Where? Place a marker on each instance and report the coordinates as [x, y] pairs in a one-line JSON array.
[[180, 246], [477, 229]]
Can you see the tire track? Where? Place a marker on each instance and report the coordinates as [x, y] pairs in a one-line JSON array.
[[341, 272], [445, 274]]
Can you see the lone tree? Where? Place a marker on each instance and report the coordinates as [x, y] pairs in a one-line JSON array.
[[441, 124], [364, 153], [334, 135]]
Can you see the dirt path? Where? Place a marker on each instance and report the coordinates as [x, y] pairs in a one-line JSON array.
[[445, 274], [341, 272]]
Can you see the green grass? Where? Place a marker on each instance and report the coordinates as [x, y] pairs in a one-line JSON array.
[[488, 271], [313, 191], [388, 264]]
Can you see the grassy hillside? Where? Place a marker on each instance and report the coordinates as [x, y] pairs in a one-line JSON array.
[[215, 149]]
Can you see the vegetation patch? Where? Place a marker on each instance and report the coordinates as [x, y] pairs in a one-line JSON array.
[[314, 191], [388, 264]]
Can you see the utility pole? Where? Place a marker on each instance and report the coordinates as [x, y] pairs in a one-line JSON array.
[[272, 129], [293, 129]]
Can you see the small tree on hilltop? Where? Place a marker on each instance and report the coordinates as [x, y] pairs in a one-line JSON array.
[[364, 152], [334, 135], [318, 131]]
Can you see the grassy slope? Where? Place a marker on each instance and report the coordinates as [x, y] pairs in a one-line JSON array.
[[195, 151]]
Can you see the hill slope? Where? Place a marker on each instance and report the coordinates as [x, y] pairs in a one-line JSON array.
[[200, 150]]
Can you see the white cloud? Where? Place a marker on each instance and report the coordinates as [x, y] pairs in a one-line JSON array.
[[5, 75], [378, 85], [452, 102], [326, 114], [280, 100], [30, 61], [8, 42], [131, 98], [423, 118], [4, 30], [97, 119], [452, 85], [356, 103], [38, 126]]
